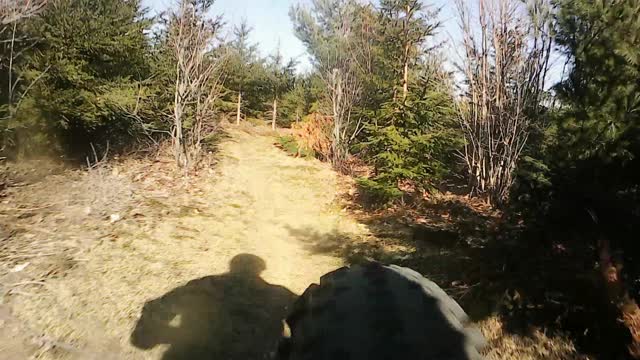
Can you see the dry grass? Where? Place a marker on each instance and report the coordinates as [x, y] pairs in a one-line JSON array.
[[507, 346], [170, 230], [88, 274], [52, 221], [253, 128]]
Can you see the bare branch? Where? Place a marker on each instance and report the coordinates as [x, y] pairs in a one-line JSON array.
[[12, 11], [198, 79], [505, 63]]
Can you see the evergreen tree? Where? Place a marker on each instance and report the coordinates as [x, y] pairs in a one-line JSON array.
[[90, 59], [597, 133], [411, 132], [404, 27], [280, 79], [302, 99], [602, 92], [243, 66], [594, 163], [414, 139]]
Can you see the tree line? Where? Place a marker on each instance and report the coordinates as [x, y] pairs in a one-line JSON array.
[[81, 73], [556, 152]]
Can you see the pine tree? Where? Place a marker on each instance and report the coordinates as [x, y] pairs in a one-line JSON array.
[[404, 27], [302, 99], [414, 139], [595, 161], [598, 129], [90, 59], [602, 91], [280, 79], [242, 65]]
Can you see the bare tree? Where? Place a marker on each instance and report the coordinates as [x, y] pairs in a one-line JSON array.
[[344, 89], [337, 46], [198, 78], [12, 11], [505, 65]]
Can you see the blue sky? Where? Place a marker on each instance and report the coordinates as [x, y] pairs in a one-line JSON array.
[[272, 26], [269, 19]]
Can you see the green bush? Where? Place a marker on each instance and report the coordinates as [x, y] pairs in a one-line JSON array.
[[86, 71], [256, 121], [374, 193], [290, 145], [414, 140]]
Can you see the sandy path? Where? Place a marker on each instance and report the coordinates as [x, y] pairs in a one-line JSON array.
[[276, 194], [256, 200]]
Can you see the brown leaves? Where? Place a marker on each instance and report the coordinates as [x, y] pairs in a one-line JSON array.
[[315, 134]]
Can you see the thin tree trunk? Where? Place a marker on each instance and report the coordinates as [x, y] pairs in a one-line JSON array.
[[407, 48], [275, 113], [405, 77], [238, 114], [11, 85], [177, 118]]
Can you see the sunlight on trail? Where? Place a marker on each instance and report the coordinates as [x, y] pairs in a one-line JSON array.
[[254, 197]]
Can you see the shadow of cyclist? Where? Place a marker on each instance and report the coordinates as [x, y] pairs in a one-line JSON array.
[[236, 315]]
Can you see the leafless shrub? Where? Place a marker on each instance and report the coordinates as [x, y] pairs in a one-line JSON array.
[[505, 62], [344, 89], [12, 11], [198, 78], [339, 72]]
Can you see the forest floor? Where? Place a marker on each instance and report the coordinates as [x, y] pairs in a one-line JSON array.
[[95, 264]]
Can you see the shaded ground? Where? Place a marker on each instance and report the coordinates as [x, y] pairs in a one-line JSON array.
[[131, 261], [215, 316], [533, 298]]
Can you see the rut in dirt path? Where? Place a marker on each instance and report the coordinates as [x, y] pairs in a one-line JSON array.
[[212, 281]]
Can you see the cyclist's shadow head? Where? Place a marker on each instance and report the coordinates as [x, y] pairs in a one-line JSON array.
[[235, 315], [247, 265]]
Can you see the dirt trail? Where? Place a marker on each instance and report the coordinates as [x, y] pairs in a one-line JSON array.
[[275, 195], [256, 199]]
